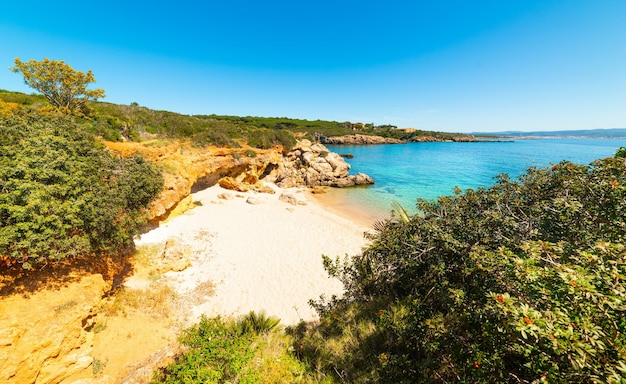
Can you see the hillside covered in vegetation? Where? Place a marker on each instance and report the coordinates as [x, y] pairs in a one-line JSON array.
[[133, 122]]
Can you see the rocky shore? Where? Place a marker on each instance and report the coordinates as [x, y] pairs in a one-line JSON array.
[[358, 139]]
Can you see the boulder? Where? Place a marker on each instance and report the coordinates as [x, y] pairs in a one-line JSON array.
[[233, 184], [314, 165], [291, 199], [175, 257], [253, 200]]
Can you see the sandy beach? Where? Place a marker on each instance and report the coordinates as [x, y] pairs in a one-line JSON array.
[[260, 252]]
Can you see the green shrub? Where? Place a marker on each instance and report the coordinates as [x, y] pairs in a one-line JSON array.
[[258, 323], [521, 282], [63, 195], [250, 350]]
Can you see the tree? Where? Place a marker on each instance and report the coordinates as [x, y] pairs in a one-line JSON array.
[[63, 86]]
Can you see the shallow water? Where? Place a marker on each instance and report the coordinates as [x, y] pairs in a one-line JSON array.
[[406, 172]]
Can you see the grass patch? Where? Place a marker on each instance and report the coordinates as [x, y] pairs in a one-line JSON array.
[[222, 350], [98, 366], [99, 326], [64, 306], [155, 301]]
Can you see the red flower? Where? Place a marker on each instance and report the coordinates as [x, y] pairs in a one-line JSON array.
[[500, 298], [476, 364], [528, 320]]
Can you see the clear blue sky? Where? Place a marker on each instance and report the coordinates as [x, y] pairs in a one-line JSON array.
[[456, 66]]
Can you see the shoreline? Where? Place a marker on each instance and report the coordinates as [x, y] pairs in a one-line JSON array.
[[337, 202], [260, 252]]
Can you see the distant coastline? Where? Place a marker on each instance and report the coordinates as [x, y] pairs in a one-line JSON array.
[[477, 137], [599, 133]]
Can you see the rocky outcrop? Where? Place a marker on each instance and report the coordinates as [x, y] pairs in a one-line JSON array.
[[188, 169], [435, 139], [314, 165], [46, 337], [357, 139], [371, 139]]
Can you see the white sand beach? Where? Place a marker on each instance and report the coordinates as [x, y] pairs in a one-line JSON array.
[[265, 256]]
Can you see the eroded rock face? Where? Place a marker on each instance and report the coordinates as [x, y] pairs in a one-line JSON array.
[[186, 168], [45, 338], [313, 165]]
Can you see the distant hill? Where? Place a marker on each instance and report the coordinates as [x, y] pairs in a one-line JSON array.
[[607, 133]]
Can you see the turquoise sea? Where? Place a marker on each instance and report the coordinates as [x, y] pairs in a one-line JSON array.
[[405, 172]]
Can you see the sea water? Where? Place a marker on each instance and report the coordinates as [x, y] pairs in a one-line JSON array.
[[406, 172]]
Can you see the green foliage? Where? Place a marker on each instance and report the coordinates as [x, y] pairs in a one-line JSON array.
[[266, 138], [217, 354], [250, 350], [63, 195], [64, 87], [521, 282], [258, 323], [133, 122]]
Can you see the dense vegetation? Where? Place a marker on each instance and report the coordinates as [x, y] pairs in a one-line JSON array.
[[521, 282], [313, 129], [62, 195], [133, 122], [250, 350]]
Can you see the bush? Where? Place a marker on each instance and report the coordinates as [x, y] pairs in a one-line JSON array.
[[63, 195], [521, 282], [266, 138], [250, 350]]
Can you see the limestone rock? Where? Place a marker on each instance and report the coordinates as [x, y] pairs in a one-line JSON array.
[[363, 179], [360, 140], [175, 257], [43, 338], [233, 184], [253, 200], [291, 199], [226, 196], [314, 165]]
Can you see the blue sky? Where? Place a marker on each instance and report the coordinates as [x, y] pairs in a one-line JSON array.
[[456, 66]]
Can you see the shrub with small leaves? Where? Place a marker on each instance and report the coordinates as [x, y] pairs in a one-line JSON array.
[[521, 282]]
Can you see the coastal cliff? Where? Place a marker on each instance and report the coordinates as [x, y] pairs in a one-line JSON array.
[[188, 169]]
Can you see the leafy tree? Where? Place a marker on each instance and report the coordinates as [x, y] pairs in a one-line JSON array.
[[521, 282], [64, 87]]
